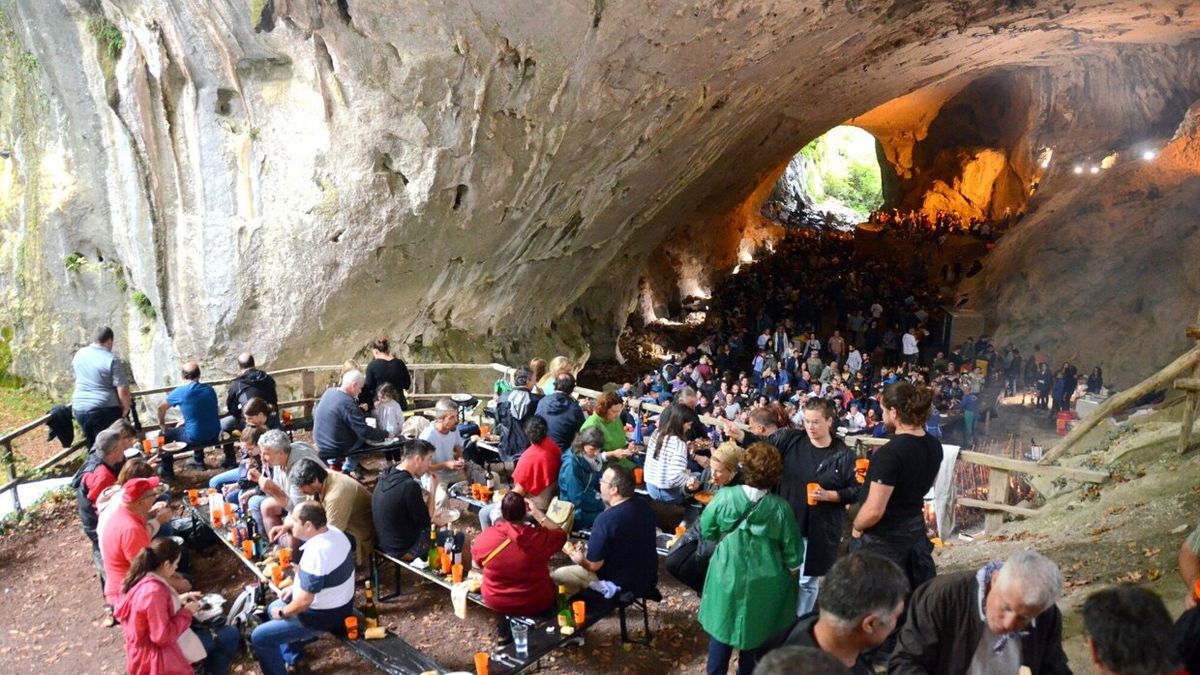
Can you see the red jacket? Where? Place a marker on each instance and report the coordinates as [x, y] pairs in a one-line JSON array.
[[516, 581], [152, 629]]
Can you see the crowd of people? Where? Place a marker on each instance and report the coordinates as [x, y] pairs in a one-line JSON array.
[[922, 224], [797, 546]]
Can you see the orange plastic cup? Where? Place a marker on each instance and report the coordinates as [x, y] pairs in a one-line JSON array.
[[481, 663], [638, 474], [277, 575], [248, 548], [580, 611], [860, 469], [285, 556], [447, 563], [680, 529], [352, 627], [812, 487], [162, 440], [148, 447], [193, 496], [456, 572], [484, 430]]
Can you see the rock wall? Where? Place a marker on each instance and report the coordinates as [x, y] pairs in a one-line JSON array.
[[474, 179], [1104, 269]]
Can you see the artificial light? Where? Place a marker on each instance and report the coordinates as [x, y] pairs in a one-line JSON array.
[[1095, 169], [1078, 168], [1149, 155]]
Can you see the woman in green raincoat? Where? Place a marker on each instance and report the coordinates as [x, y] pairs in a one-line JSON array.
[[750, 590]]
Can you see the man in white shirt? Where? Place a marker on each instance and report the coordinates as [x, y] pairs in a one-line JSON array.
[[321, 598], [908, 346], [447, 447]]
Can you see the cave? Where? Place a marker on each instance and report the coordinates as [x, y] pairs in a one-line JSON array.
[[834, 180], [238, 189]]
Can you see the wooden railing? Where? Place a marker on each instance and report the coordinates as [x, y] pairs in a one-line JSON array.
[[308, 375], [998, 482]]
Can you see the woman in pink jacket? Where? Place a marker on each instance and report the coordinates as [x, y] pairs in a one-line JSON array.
[[157, 621]]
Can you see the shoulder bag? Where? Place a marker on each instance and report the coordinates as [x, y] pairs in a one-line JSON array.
[[688, 559]]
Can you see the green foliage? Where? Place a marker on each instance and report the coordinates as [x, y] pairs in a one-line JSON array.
[[107, 35], [144, 305], [844, 168], [74, 262], [7, 379], [118, 275]]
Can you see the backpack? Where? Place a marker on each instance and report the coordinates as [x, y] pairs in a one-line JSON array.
[[248, 610]]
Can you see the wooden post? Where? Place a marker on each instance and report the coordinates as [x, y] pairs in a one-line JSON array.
[[997, 494], [10, 462], [308, 390], [1185, 363], [1190, 401]]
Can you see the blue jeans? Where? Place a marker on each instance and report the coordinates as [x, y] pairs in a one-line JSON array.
[[255, 506], [719, 654], [224, 478], [221, 649], [670, 496], [275, 642], [809, 587]]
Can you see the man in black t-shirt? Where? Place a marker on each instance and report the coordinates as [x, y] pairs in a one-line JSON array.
[[401, 510], [622, 548]]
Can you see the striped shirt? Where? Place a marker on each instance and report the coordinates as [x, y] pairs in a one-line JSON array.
[[327, 570], [670, 469]]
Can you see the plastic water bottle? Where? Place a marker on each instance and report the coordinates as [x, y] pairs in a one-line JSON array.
[[637, 429]]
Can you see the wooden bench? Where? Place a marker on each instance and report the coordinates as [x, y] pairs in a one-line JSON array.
[[379, 557], [544, 636], [391, 654]]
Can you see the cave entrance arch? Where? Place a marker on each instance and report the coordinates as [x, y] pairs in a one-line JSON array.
[[837, 178]]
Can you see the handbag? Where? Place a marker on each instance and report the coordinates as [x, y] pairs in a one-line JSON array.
[[689, 557]]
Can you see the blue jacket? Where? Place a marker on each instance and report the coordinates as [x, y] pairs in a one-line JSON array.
[[579, 484], [563, 417]]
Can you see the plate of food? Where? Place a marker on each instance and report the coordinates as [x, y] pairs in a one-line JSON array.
[[703, 497], [174, 446], [460, 489], [446, 515]]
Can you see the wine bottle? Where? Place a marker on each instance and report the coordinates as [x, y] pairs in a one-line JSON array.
[[432, 558], [370, 610], [566, 619]]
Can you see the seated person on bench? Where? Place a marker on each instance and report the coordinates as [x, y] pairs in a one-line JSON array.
[[322, 599], [197, 401], [403, 511], [622, 549], [347, 504], [276, 495], [536, 473], [579, 477], [447, 448], [514, 557]]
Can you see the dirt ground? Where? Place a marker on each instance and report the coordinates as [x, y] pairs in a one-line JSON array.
[[48, 565]]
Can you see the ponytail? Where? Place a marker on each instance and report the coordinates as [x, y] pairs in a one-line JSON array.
[[910, 401], [161, 550]]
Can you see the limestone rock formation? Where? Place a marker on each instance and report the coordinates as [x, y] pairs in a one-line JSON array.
[[476, 179], [1104, 270]]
